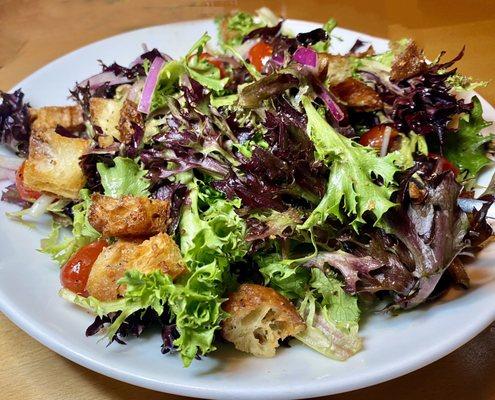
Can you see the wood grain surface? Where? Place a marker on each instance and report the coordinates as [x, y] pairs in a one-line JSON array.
[[33, 33]]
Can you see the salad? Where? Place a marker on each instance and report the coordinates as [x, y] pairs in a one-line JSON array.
[[257, 191]]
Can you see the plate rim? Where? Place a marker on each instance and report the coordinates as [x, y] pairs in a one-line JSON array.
[[419, 360]]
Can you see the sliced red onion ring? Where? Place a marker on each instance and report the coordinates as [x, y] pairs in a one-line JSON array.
[[109, 77], [330, 102], [150, 84], [306, 56]]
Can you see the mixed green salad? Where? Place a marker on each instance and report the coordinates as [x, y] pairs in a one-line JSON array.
[[255, 191]]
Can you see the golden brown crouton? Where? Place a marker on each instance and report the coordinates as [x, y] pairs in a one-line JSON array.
[[53, 164], [43, 118], [333, 68], [128, 215], [130, 120], [358, 95], [157, 253], [259, 317], [105, 113], [408, 63]]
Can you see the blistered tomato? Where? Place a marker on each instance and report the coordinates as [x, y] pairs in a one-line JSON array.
[[258, 53], [74, 274], [374, 137]]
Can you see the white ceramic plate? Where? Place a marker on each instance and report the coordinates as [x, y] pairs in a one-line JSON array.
[[393, 346]]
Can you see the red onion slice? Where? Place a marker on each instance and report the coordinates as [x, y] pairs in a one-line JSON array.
[[306, 56], [150, 84], [109, 77], [331, 104]]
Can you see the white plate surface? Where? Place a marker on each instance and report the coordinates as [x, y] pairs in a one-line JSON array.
[[393, 346]]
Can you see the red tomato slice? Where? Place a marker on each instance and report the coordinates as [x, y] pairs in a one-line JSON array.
[[374, 137], [74, 274], [258, 54], [444, 164], [24, 191], [213, 61]]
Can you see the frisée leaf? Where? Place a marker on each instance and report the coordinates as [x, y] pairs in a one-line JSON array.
[[331, 318], [465, 148], [61, 249], [351, 189]]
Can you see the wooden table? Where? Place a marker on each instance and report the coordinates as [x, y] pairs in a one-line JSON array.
[[32, 33]]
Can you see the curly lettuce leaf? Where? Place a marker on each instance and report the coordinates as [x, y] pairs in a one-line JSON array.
[[290, 281], [461, 83], [330, 313], [232, 29], [331, 317], [143, 291], [351, 188], [207, 74], [167, 84], [61, 249], [466, 147], [341, 307], [125, 178], [212, 236], [410, 144]]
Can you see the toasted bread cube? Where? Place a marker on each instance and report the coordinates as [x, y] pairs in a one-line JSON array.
[[128, 216], [44, 118], [157, 253], [357, 94], [105, 113], [53, 163], [259, 317], [334, 68], [408, 63], [130, 120]]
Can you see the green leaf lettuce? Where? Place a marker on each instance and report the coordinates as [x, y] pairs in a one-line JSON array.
[[351, 188], [466, 147]]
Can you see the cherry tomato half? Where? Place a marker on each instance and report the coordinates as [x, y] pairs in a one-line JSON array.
[[24, 191], [214, 61], [444, 164], [74, 274], [258, 53], [374, 137]]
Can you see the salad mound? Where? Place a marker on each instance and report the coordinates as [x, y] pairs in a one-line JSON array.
[[260, 190]]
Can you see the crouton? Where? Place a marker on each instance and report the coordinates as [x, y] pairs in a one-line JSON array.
[[357, 94], [130, 120], [53, 163], [44, 118], [408, 63], [259, 318], [333, 68], [128, 215], [157, 253], [105, 114]]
